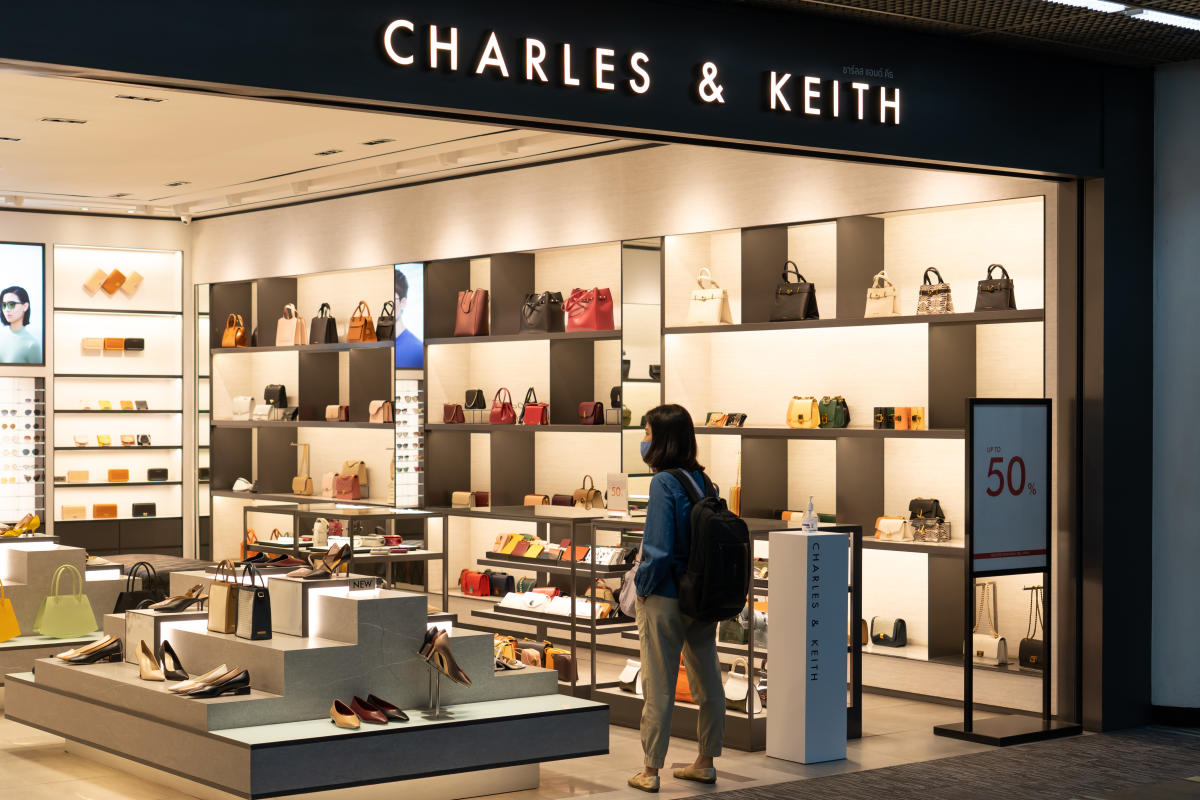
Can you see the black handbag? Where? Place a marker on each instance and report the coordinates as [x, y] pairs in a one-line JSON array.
[[925, 508], [275, 395], [135, 344], [254, 606], [132, 597], [889, 632], [614, 397], [475, 400], [323, 328], [995, 294], [385, 324], [794, 299], [145, 510], [1031, 654], [542, 313], [156, 474], [501, 583]]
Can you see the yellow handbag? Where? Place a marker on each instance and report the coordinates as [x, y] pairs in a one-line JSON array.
[[803, 412], [8, 618]]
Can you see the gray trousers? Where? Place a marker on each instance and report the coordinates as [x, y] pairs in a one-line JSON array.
[[665, 633]]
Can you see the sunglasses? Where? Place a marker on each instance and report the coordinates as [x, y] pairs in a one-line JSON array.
[[10, 305]]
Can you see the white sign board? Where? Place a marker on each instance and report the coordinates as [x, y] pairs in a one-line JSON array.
[[1009, 485], [618, 494]]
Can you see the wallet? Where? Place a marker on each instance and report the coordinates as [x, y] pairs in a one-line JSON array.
[[105, 405], [134, 344], [132, 283], [118, 475], [104, 440], [104, 511], [113, 343], [77, 476], [156, 474], [144, 510], [536, 500], [81, 441], [337, 413], [91, 286], [74, 512], [127, 405], [91, 344], [127, 440], [113, 282], [143, 440], [141, 405]]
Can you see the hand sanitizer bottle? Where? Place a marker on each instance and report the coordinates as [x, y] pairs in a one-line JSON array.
[[808, 523]]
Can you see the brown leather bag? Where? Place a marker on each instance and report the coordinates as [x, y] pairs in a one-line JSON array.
[[587, 495], [471, 316], [452, 413], [361, 329], [235, 332], [104, 511], [347, 487], [113, 282]]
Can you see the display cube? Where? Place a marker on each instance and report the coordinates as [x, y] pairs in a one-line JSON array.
[[152, 626], [291, 600]]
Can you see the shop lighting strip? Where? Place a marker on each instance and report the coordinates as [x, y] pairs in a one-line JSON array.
[[1136, 12]]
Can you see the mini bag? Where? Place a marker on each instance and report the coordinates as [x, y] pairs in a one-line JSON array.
[[452, 414], [144, 510], [134, 345], [114, 343], [536, 500], [77, 475], [502, 409], [91, 344], [381, 411], [709, 304], [275, 395], [337, 413], [542, 313], [995, 294], [289, 330], [347, 487], [834, 412], [882, 299], [475, 400], [934, 298], [794, 300], [323, 328], [385, 329], [889, 632], [302, 483], [803, 412], [591, 413], [885, 418], [253, 606], [104, 511], [587, 495], [132, 283], [893, 528], [361, 329], [234, 334], [533, 412], [118, 475], [114, 281]]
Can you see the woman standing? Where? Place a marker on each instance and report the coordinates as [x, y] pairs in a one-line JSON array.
[[665, 632], [17, 344]]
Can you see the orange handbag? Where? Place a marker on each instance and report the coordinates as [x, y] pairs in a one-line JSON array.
[[104, 511], [683, 692], [347, 487], [361, 329], [235, 332], [471, 316], [251, 538]]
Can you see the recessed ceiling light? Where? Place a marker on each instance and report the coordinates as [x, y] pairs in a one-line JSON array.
[[143, 99], [1164, 18], [84, 208], [64, 120], [378, 141], [178, 183], [130, 211], [10, 139], [327, 152]]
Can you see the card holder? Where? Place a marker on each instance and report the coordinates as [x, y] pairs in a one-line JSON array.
[[74, 512], [127, 405], [77, 476], [104, 440], [156, 474], [105, 405], [81, 441], [114, 281], [127, 440], [141, 405], [91, 344], [91, 286], [135, 345], [132, 283], [113, 343], [104, 511], [143, 440]]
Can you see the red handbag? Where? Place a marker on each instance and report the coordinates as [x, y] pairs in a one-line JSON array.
[[471, 316], [502, 409], [533, 412], [589, 310], [480, 499], [452, 413], [347, 487], [591, 413], [549, 591], [475, 584]]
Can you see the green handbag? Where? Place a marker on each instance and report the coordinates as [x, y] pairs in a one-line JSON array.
[[526, 585], [834, 412], [65, 616]]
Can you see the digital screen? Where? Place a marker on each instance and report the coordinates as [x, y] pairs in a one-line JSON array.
[[410, 316], [22, 303]]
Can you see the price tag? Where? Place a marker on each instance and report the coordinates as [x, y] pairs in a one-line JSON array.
[[1009, 485]]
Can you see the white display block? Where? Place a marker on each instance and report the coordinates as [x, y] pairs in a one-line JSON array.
[[807, 722]]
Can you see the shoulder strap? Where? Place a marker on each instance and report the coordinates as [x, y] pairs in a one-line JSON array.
[[289, 311], [530, 395], [251, 572], [689, 484]]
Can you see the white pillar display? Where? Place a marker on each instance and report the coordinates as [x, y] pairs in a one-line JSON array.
[[806, 715]]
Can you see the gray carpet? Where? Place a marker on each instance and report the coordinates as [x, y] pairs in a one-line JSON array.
[[1124, 764]]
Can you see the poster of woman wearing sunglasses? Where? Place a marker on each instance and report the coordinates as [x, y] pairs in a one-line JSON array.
[[21, 330]]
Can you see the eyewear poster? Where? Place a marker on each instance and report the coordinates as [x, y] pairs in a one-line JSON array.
[[22, 303]]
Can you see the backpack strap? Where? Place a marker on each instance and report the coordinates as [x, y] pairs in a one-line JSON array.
[[691, 487]]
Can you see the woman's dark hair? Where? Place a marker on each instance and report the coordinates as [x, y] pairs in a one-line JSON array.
[[672, 439], [23, 297]]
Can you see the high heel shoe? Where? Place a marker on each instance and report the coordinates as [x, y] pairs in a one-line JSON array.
[[441, 657], [427, 644], [109, 652], [390, 711], [314, 562], [239, 683], [148, 668], [28, 524], [195, 683], [177, 604], [329, 567], [192, 592], [86, 649], [172, 667]]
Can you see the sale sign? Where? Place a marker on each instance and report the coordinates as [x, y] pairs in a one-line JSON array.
[[1009, 442]]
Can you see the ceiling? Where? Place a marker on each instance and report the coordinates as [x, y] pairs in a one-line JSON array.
[[175, 153], [1108, 37]]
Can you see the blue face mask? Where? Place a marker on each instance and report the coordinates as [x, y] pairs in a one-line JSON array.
[[645, 447]]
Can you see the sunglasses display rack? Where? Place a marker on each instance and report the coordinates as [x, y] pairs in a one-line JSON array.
[[409, 404], [203, 456], [118, 406], [22, 449]]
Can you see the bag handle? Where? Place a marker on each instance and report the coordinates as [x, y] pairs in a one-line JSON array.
[[388, 310], [303, 473], [506, 393], [144, 568], [881, 280], [366, 310], [935, 272], [289, 311], [226, 564], [1000, 267], [586, 480], [469, 297], [234, 321], [705, 276], [745, 673], [77, 579], [251, 572], [324, 310], [530, 397], [789, 269]]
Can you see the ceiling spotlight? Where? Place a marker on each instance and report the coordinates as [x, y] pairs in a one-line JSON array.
[[173, 184], [143, 99], [373, 142], [10, 138]]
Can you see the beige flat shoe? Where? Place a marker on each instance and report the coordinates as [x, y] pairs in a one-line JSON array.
[[705, 775], [83, 651], [646, 784], [195, 683]]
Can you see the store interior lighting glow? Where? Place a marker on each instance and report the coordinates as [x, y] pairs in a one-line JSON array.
[[1094, 5], [1143, 14]]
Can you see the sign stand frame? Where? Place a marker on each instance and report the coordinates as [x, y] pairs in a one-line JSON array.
[[1008, 729]]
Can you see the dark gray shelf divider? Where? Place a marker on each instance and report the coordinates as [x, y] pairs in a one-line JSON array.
[[951, 373], [764, 256], [273, 295], [859, 481], [447, 464], [511, 467], [859, 257], [371, 378], [318, 384], [277, 460], [764, 476], [225, 299], [443, 281], [572, 378], [231, 458], [511, 280]]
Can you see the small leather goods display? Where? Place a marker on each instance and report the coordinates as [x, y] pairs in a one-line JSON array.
[[934, 298], [143, 440], [533, 412], [253, 606], [882, 298], [361, 329], [118, 475], [9, 628], [1031, 652], [114, 343], [289, 329], [995, 294], [131, 284], [337, 413], [104, 511], [63, 616], [462, 500], [144, 510], [347, 487], [234, 334], [833, 412], [587, 495], [114, 281], [77, 476], [452, 414], [74, 512], [740, 694], [542, 313], [589, 310], [892, 528], [987, 645], [241, 407], [323, 328], [536, 500], [92, 284], [104, 440], [803, 412], [471, 313], [385, 329], [502, 412], [475, 584], [302, 483], [591, 413], [902, 418], [885, 418], [381, 411], [156, 474], [889, 632], [223, 599], [275, 395], [794, 300], [134, 345], [709, 304], [91, 344]]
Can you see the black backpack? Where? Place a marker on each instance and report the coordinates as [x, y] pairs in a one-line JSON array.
[[717, 579]]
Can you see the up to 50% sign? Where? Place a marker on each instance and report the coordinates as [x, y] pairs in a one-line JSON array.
[[1006, 474]]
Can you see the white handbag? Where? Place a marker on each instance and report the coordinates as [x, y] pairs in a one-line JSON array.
[[525, 601], [739, 693], [710, 303], [261, 413], [988, 647], [327, 480], [630, 679], [289, 330], [320, 533], [894, 528], [882, 299], [561, 605], [242, 406]]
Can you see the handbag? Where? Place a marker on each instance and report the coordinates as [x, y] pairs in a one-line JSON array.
[[902, 418], [533, 412], [118, 475], [156, 474], [253, 606], [562, 500], [128, 440], [934, 298], [462, 500], [104, 511], [885, 418], [275, 395], [995, 294], [74, 512], [9, 627], [143, 510], [925, 508], [143, 440], [794, 300], [893, 528], [803, 412], [385, 329], [357, 468], [564, 662], [709, 304], [361, 329], [502, 409], [471, 314], [587, 495], [889, 632], [542, 313], [381, 412], [114, 281], [65, 616], [988, 648], [262, 413], [536, 500], [289, 330], [475, 584], [337, 413], [327, 480], [1030, 653], [323, 328], [591, 413], [630, 679], [234, 334], [103, 440], [475, 400], [481, 499], [589, 310], [452, 414], [501, 583], [302, 483], [242, 406], [347, 487], [132, 597], [740, 695], [882, 299], [833, 412]]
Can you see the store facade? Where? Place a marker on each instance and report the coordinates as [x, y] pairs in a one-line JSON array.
[[805, 122]]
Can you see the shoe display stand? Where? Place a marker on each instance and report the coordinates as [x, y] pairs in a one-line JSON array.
[[23, 486], [250, 745], [27, 568]]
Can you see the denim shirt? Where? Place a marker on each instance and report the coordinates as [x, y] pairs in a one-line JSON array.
[[666, 539]]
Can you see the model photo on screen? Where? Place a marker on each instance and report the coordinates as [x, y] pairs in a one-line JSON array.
[[410, 316], [21, 272]]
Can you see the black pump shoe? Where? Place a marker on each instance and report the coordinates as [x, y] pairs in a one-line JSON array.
[[110, 652], [172, 667], [178, 604], [238, 684]]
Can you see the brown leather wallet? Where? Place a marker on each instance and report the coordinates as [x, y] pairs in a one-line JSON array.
[[111, 343], [104, 511], [127, 440], [114, 281], [118, 475]]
